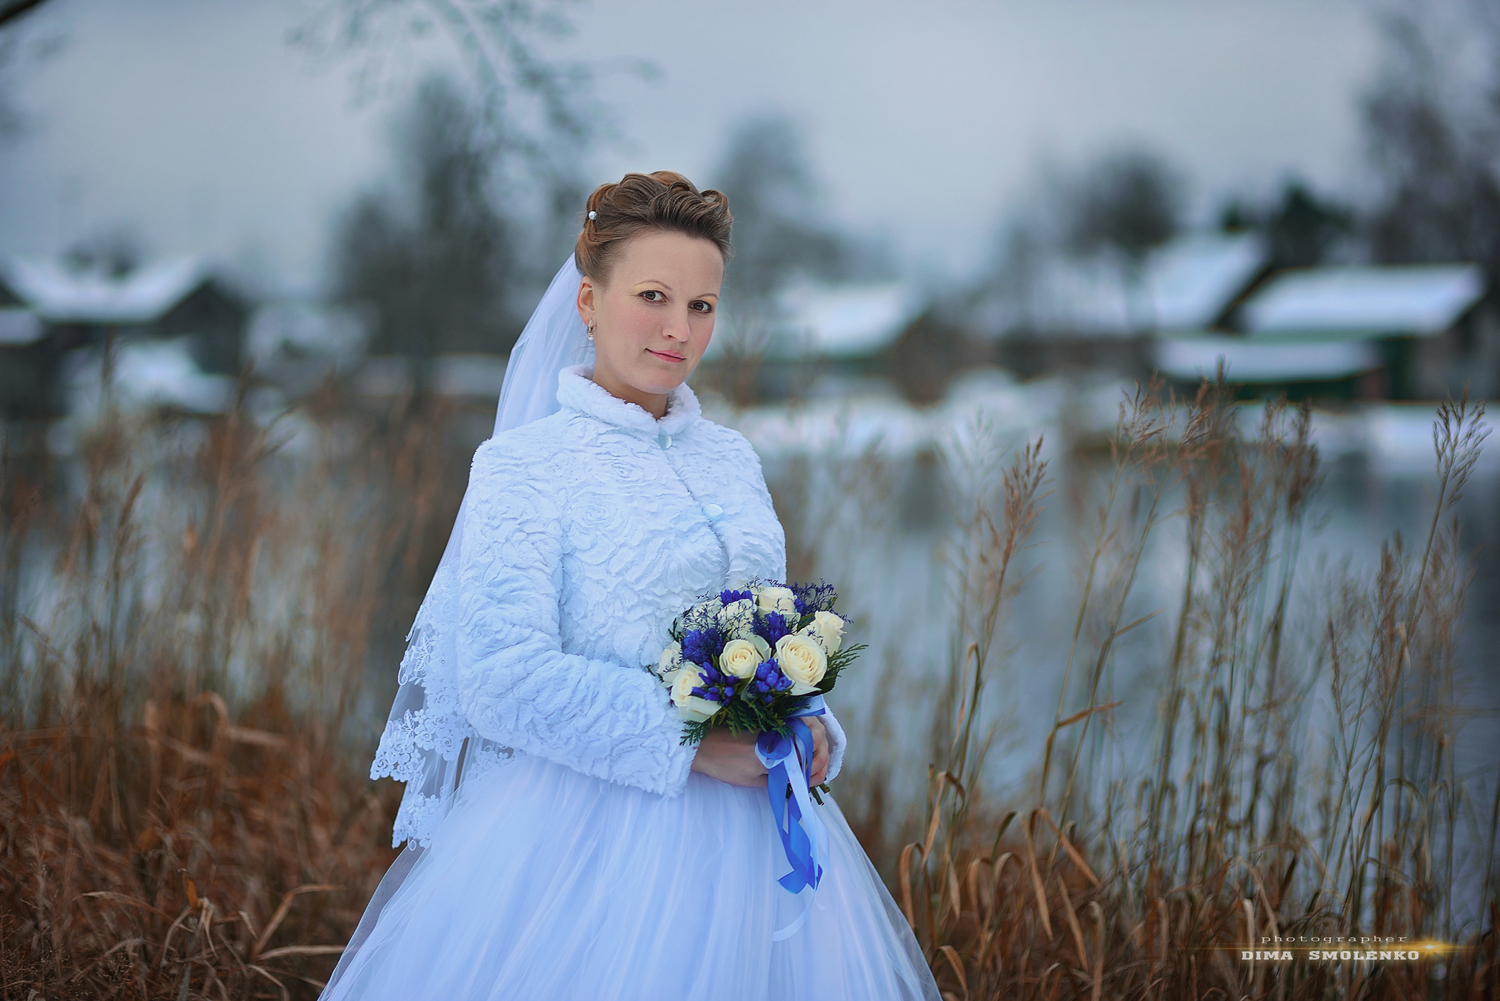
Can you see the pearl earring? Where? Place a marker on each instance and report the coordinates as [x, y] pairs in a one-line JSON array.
[[591, 330]]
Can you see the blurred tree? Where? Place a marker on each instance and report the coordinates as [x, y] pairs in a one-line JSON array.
[[779, 234], [435, 260], [1125, 203], [1434, 136], [1236, 216], [536, 113], [927, 355], [1113, 209], [1122, 205], [441, 260], [1301, 229], [1432, 122], [534, 118]]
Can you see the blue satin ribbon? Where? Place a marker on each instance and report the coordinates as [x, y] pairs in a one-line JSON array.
[[788, 762]]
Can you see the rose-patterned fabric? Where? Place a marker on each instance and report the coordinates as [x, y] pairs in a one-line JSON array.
[[585, 533]]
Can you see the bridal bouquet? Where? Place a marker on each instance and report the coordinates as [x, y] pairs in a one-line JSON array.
[[754, 659], [760, 660]]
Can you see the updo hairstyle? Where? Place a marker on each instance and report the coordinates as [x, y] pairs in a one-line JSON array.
[[662, 200]]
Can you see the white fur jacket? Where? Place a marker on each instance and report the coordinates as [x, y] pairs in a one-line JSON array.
[[586, 533]]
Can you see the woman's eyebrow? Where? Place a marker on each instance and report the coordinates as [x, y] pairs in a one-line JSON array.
[[668, 287]]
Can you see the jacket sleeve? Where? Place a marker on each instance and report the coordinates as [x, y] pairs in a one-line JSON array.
[[516, 685]]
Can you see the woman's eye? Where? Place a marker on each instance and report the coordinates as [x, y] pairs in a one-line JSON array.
[[650, 292], [703, 307]]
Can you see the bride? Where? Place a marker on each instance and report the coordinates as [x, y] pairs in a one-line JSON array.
[[563, 843]]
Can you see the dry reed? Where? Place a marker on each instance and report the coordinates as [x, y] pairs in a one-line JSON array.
[[181, 813], [1254, 818], [186, 633]]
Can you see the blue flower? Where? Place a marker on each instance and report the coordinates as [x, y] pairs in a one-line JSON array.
[[768, 681], [730, 597], [776, 626], [702, 646], [717, 686]]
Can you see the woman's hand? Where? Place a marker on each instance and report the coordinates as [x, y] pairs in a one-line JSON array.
[[820, 750], [731, 757]]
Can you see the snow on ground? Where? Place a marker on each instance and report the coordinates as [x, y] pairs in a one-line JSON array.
[[1397, 437], [146, 375]]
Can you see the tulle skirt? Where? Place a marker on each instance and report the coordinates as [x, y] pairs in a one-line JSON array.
[[544, 883]]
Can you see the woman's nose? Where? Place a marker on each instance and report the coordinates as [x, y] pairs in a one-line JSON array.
[[677, 326]]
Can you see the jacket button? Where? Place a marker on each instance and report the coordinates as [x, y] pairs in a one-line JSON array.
[[664, 440], [713, 511]]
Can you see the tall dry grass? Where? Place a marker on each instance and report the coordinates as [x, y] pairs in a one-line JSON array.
[[185, 632], [1300, 780], [188, 614]]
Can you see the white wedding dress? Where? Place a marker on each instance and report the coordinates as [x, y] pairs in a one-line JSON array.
[[582, 858]]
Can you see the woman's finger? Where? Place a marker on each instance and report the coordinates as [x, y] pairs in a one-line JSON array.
[[819, 763]]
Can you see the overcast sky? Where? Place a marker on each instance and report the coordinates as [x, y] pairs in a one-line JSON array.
[[194, 124]]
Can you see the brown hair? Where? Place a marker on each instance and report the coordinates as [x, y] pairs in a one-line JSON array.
[[639, 202]]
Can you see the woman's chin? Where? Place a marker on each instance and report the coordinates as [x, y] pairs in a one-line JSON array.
[[663, 383]]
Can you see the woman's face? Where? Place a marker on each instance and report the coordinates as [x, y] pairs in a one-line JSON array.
[[653, 320]]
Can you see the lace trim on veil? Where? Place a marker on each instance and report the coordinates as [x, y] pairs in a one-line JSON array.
[[428, 742], [436, 726]]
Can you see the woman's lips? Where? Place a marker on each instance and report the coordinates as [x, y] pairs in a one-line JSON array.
[[667, 355]]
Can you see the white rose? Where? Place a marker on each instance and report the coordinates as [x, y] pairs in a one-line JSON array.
[[671, 659], [828, 629], [776, 599], [689, 706], [741, 657], [803, 661]]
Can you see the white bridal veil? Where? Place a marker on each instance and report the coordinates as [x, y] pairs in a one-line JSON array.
[[428, 742]]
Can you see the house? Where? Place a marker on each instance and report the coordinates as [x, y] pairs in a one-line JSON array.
[[1062, 312], [30, 369], [48, 309], [295, 344], [1393, 331], [1378, 332], [817, 338]]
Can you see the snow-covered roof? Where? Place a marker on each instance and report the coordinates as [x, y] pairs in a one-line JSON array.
[[1420, 299], [1189, 358], [1187, 283], [842, 321], [1193, 278], [61, 295]]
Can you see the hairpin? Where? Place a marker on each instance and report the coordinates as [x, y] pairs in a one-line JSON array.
[[593, 214]]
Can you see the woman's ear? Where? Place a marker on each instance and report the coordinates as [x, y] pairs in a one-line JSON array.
[[586, 300]]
